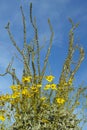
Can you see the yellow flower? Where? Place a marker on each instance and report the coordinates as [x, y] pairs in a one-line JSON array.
[[3, 98], [15, 95], [2, 118], [53, 86], [13, 87], [49, 78], [34, 89], [25, 92], [39, 85], [26, 79], [43, 98], [60, 100], [7, 96], [47, 87], [18, 87]]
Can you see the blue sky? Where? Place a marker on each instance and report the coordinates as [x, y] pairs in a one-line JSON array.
[[58, 11]]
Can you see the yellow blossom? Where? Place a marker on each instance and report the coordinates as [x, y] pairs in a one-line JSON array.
[[49, 78], [39, 85], [2, 118], [43, 98], [7, 96], [60, 100], [18, 87], [47, 87], [53, 86], [15, 95], [26, 79], [25, 92], [13, 87], [3, 98], [34, 89]]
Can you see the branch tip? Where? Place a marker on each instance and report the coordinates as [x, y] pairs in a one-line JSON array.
[[7, 26]]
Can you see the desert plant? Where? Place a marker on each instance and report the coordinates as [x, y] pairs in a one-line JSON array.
[[36, 102]]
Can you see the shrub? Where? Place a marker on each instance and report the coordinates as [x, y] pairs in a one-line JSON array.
[[36, 102]]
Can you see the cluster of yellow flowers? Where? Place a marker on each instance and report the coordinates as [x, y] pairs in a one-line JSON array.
[[60, 100], [29, 78], [28, 91], [49, 78], [52, 86]]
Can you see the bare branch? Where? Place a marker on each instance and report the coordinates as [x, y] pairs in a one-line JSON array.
[[33, 22], [48, 51], [15, 77], [79, 61], [8, 67], [12, 39], [18, 57], [3, 74], [66, 71], [18, 49], [26, 66], [24, 26]]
